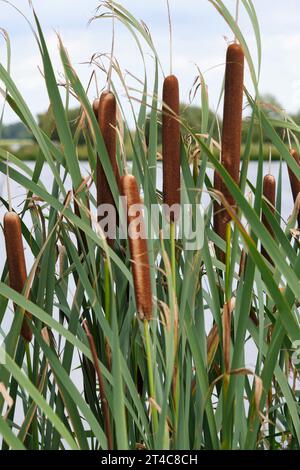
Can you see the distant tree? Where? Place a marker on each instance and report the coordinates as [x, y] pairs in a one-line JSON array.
[[272, 108], [16, 131], [47, 122], [191, 117]]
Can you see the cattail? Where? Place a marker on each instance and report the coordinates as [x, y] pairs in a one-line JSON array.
[[269, 190], [171, 143], [16, 261], [232, 127], [138, 248], [295, 183], [105, 110], [107, 120]]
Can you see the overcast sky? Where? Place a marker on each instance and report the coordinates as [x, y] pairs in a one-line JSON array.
[[199, 38]]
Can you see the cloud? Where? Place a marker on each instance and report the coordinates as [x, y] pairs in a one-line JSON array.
[[198, 38]]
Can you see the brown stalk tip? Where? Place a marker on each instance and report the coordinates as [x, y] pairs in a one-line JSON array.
[[269, 189], [171, 142], [96, 106], [269, 192], [16, 262], [138, 248]]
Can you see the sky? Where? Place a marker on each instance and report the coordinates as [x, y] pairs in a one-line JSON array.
[[200, 38]]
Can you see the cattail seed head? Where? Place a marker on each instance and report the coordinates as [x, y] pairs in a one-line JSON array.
[[232, 126], [107, 119], [107, 112], [16, 261], [171, 143], [138, 249], [269, 191]]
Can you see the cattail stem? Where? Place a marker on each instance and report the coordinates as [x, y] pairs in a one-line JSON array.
[[109, 75], [101, 387], [237, 15], [16, 262], [170, 37], [28, 360], [269, 190], [173, 253], [107, 289], [138, 248], [150, 375], [228, 264], [171, 143], [232, 130]]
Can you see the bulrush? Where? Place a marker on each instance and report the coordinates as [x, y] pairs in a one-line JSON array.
[[16, 261], [295, 183], [171, 143], [107, 119], [232, 129], [138, 248], [269, 190]]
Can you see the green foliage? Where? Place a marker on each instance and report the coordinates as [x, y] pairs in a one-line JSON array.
[[16, 131], [165, 383]]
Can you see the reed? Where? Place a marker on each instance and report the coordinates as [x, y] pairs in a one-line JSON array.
[[16, 262], [232, 130], [171, 143], [80, 235], [269, 190], [138, 249], [146, 375], [104, 403], [295, 183]]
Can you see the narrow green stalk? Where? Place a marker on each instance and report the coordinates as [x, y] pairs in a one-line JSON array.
[[228, 263], [173, 253], [226, 431], [176, 388], [150, 375], [107, 289], [28, 360]]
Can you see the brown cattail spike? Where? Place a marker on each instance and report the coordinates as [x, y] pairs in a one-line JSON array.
[[138, 248], [295, 183], [107, 122], [16, 261], [269, 190], [171, 143], [232, 126], [107, 112]]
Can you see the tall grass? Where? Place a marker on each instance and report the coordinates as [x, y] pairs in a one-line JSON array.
[[147, 346]]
